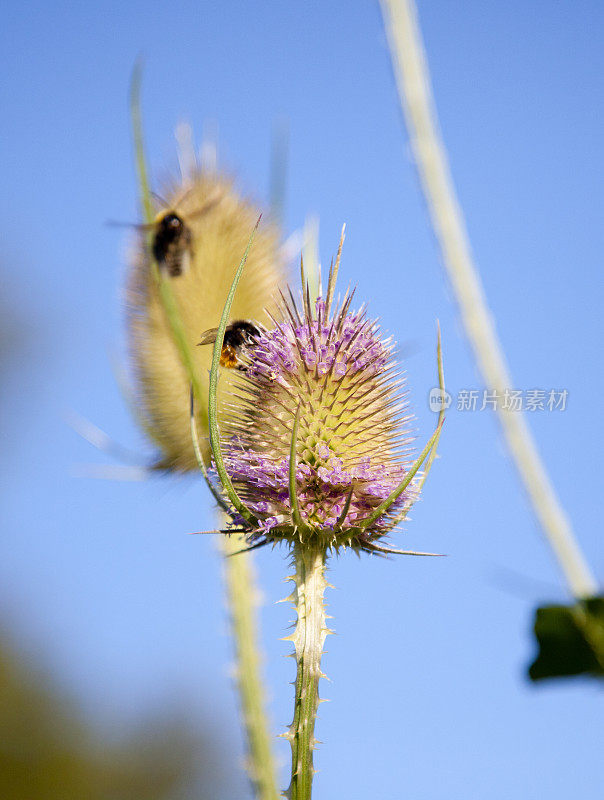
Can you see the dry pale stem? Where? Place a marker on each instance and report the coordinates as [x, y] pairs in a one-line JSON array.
[[243, 601], [411, 72]]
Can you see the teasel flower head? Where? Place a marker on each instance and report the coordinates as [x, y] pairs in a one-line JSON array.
[[314, 452], [316, 445]]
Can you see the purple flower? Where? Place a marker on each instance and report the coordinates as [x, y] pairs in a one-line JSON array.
[[333, 376]]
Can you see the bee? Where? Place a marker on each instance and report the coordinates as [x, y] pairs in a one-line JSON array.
[[172, 239], [238, 337], [172, 243]]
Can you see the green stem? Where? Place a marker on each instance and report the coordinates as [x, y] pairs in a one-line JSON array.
[[242, 598], [139, 145], [308, 638], [238, 575]]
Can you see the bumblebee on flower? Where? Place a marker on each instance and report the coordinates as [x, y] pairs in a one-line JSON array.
[[316, 442]]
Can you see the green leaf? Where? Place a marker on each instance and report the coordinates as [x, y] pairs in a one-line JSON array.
[[227, 486], [571, 640]]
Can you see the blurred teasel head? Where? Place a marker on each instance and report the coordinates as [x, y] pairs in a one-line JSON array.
[[316, 444], [201, 228]]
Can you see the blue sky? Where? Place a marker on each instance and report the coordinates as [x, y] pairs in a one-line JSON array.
[[97, 579]]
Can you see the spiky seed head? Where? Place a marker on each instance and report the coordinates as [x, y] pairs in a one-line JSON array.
[[333, 376], [219, 223]]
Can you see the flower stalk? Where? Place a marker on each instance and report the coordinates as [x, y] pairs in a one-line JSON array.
[[308, 639], [242, 595], [314, 454]]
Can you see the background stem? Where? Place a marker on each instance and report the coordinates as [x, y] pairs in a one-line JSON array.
[[242, 596], [242, 599], [411, 72], [308, 638]]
